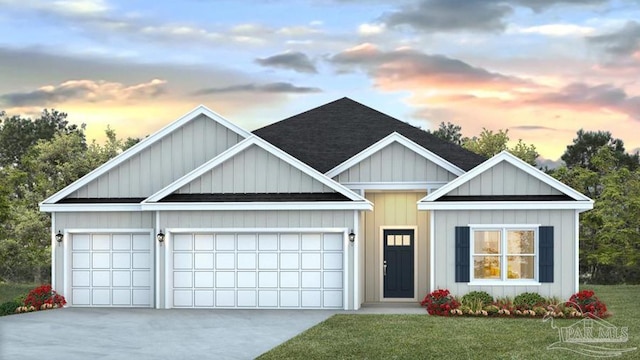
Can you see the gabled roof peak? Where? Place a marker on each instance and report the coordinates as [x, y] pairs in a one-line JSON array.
[[330, 134], [144, 144], [506, 156]]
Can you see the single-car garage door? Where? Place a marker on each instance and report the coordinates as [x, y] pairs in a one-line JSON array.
[[256, 270], [111, 269]]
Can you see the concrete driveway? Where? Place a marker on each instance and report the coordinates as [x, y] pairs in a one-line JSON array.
[[79, 333]]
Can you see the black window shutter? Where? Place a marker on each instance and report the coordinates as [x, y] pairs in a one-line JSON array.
[[545, 262], [463, 240]]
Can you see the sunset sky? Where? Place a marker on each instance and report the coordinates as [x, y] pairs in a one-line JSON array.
[[541, 68]]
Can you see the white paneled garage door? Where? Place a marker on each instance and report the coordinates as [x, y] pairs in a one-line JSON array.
[[111, 270], [257, 270]]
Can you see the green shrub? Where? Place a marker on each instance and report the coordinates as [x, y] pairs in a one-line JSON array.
[[20, 298], [477, 296], [526, 301], [491, 310], [9, 307], [539, 310]]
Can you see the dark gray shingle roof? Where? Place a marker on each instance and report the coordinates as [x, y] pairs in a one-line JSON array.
[[328, 135]]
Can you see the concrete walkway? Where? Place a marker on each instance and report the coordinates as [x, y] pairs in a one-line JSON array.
[[114, 333]]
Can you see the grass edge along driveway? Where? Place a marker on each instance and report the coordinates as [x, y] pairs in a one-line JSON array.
[[353, 336]]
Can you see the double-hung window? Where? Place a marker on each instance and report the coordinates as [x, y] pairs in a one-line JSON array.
[[504, 253]]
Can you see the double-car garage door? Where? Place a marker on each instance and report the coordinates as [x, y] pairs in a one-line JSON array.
[[256, 270], [208, 270]]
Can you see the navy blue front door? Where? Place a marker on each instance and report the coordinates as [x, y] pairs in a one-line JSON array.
[[398, 263]]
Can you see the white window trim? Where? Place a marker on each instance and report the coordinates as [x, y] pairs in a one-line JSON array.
[[503, 228]]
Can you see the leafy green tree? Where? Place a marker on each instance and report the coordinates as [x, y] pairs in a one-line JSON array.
[[610, 233], [489, 144], [18, 134], [129, 142], [587, 144], [450, 132], [528, 153], [44, 168]]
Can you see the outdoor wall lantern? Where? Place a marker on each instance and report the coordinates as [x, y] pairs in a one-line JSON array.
[[352, 236], [59, 237], [160, 237]]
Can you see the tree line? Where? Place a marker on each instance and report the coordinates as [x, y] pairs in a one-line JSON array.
[[40, 156]]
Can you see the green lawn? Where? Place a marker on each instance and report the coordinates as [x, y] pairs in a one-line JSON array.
[[10, 291], [423, 336]]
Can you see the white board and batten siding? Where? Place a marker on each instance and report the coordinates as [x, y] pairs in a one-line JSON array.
[[254, 170], [563, 222], [163, 162], [261, 269], [109, 269], [504, 179], [395, 163], [257, 219]]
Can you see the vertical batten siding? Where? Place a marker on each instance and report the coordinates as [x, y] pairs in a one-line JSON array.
[[395, 163], [393, 209], [254, 170], [504, 179], [163, 162], [256, 219], [564, 248], [105, 220]]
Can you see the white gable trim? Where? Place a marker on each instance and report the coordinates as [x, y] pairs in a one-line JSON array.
[[515, 161], [90, 207], [237, 206], [390, 139], [398, 185], [145, 143], [506, 205], [232, 151]]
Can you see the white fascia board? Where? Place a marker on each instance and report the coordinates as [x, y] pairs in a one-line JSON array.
[[145, 143], [388, 140], [233, 206], [89, 207], [402, 185], [506, 205], [232, 151], [200, 170], [515, 161], [257, 229]]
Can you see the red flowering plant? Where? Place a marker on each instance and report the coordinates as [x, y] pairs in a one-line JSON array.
[[586, 302], [44, 297], [440, 302]]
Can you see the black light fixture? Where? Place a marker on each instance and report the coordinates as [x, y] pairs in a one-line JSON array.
[[160, 237], [352, 236], [59, 236]]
